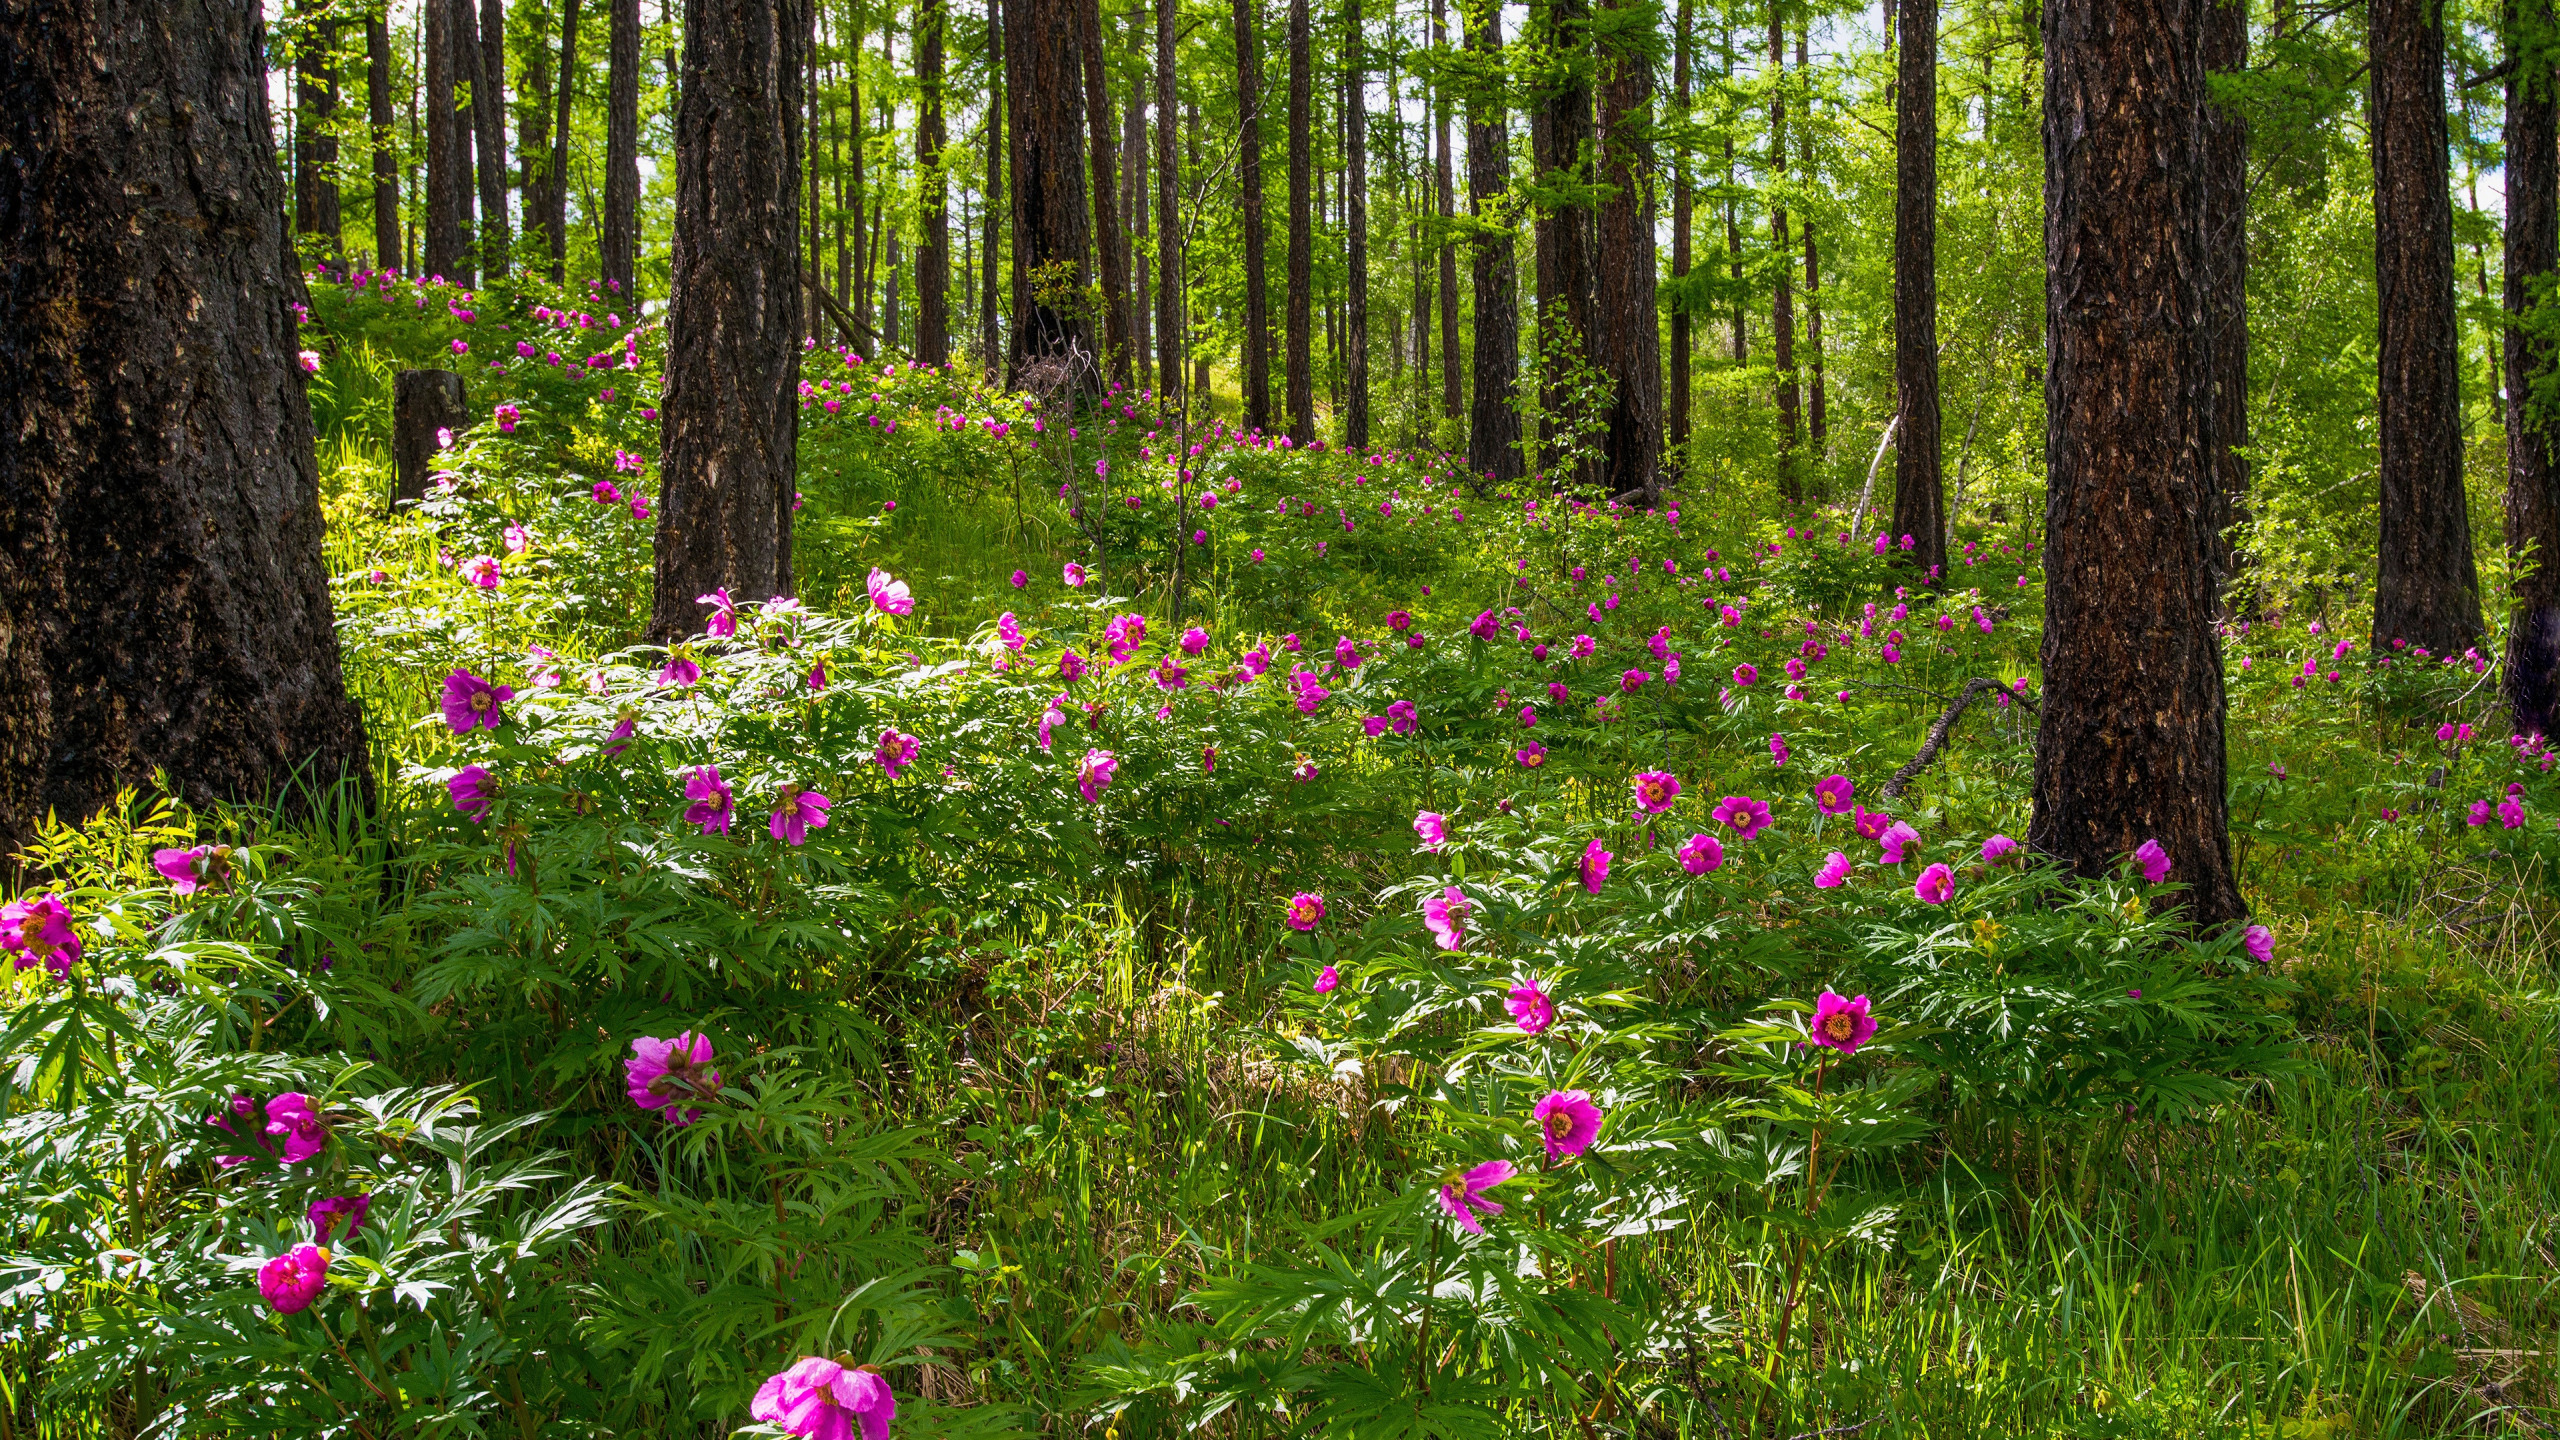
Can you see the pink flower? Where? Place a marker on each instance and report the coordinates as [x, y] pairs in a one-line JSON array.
[[325, 1215], [304, 1132], [1936, 884], [1778, 752], [890, 596], [1834, 794], [1009, 630], [1095, 774], [37, 931], [1632, 681], [2260, 942], [1840, 1024], [662, 1073], [1402, 718], [473, 790], [471, 703], [1462, 1195], [1896, 840], [1074, 574], [709, 793], [1568, 1122], [193, 868], [680, 671], [1328, 980], [310, 360], [1870, 824], [1194, 640], [1433, 827], [1747, 817], [800, 812], [1701, 854], [294, 1279], [2510, 813], [1531, 1008], [1998, 848], [2154, 861], [1746, 674], [896, 751], [1655, 790], [1531, 755], [483, 571], [1346, 653], [607, 493], [1070, 665], [1306, 911], [1834, 872], [1445, 916], [724, 614], [819, 1399], [1595, 865]]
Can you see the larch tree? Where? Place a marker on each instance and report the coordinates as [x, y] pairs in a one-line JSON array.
[[2226, 140], [1355, 124], [933, 191], [990, 316], [1170, 337], [1561, 148], [2129, 744], [166, 602], [489, 128], [1782, 297], [2427, 593], [1111, 245], [1300, 381], [1818, 404], [555, 197], [1919, 492], [2532, 673], [1052, 229], [448, 150], [1683, 243], [619, 242], [1627, 335], [315, 139], [382, 138], [1257, 288], [1493, 425], [1444, 208]]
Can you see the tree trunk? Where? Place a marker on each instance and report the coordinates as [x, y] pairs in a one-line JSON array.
[[448, 163], [533, 139], [1191, 157], [1355, 318], [1818, 410], [1257, 287], [1627, 337], [2428, 592], [386, 157], [2533, 479], [1301, 337], [555, 199], [1052, 234], [1782, 303], [731, 415], [933, 193], [990, 335], [1493, 425], [2129, 737], [1133, 211], [1919, 493], [1451, 400], [489, 118], [163, 599], [621, 239], [1170, 336], [315, 142], [1682, 243], [1561, 141], [2226, 139], [1110, 245], [423, 402]]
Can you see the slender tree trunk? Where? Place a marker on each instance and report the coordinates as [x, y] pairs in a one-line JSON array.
[[315, 148], [1682, 243], [489, 119], [2533, 478], [858, 282], [1627, 336], [2129, 741], [1452, 400], [1133, 210], [621, 247], [386, 159], [1562, 144], [2226, 138], [1110, 244], [556, 198], [731, 416], [1493, 425], [1170, 335], [1919, 495], [2428, 593], [933, 192], [1191, 157], [165, 598], [1355, 319], [533, 139], [1782, 303], [1733, 248], [1043, 83], [1301, 322], [448, 180], [1818, 413], [990, 318], [1257, 287]]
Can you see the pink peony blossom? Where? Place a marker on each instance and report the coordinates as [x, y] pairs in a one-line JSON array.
[[1746, 816], [1936, 884], [1433, 827], [1462, 1195], [1095, 774], [1328, 980], [1702, 853], [1305, 911], [819, 1399], [293, 1280], [1834, 872], [1896, 841], [1568, 1122], [304, 1131], [1445, 916], [1655, 790], [471, 703], [890, 597], [36, 931], [1531, 1008], [1840, 1024], [1834, 793], [2154, 861], [327, 1215], [1997, 849], [662, 1073], [711, 808], [797, 813], [2260, 942], [896, 751], [1595, 865]]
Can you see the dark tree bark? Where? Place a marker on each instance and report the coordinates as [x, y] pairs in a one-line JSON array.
[[448, 151], [933, 192], [1561, 145], [731, 416], [489, 119], [1627, 338], [1682, 243], [1170, 338], [2129, 741], [386, 158], [1301, 337], [1818, 407], [1110, 244], [2226, 140], [163, 600], [620, 242], [2428, 592], [1493, 425], [555, 196], [422, 403], [1355, 319], [1257, 286], [2533, 478], [1191, 157], [315, 144], [533, 140], [1134, 200], [1451, 399], [990, 320], [1919, 493], [1782, 303], [1044, 93]]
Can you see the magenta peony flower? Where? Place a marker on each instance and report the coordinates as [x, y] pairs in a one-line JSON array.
[[1746, 816], [304, 1131], [1997, 849], [2154, 861], [1074, 574], [1779, 754], [1936, 884], [1306, 911], [471, 703], [1020, 579], [1631, 681], [661, 1073], [1194, 640], [1655, 790], [1070, 665], [819, 1399], [1531, 755], [1462, 1195], [1009, 630], [896, 751], [680, 671], [1096, 773], [37, 931], [1485, 626], [1327, 980], [1402, 718], [473, 789], [1839, 1024], [711, 807], [1834, 793], [799, 812], [1595, 865], [193, 868], [2511, 813], [1445, 916], [891, 597], [2260, 942], [724, 614], [1568, 1122], [1746, 674], [327, 1215], [1897, 840], [1531, 1008], [1870, 824], [1433, 827], [1702, 853], [294, 1279], [1834, 872], [483, 571]]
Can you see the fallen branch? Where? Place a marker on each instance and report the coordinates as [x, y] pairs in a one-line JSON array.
[[1943, 729]]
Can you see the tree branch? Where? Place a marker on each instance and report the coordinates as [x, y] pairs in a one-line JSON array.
[[1942, 730]]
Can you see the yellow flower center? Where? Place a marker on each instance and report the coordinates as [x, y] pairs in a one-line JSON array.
[[1840, 1026]]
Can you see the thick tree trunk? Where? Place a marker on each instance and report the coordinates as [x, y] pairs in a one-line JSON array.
[[448, 163], [1257, 280], [1452, 400], [933, 192], [2428, 592], [556, 197], [990, 319], [1111, 246], [1561, 141], [462, 44], [2533, 478], [1170, 338], [489, 119], [1919, 493], [1493, 425], [1052, 237], [1300, 381], [315, 143], [1682, 243], [731, 415], [163, 599], [1627, 338], [379, 121], [2226, 140], [620, 259], [2129, 741], [423, 402], [1782, 302], [1355, 319]]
